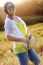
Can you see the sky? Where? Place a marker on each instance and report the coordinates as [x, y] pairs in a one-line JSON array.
[[14, 1]]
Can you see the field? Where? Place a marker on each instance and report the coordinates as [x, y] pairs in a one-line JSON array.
[[6, 55]]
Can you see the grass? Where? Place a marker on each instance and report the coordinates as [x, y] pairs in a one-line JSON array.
[[6, 55], [37, 31]]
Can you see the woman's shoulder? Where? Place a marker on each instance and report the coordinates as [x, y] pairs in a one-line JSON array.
[[7, 20], [20, 19]]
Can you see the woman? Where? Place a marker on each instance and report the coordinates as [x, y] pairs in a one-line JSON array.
[[16, 31]]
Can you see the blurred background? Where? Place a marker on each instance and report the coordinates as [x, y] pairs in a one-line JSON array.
[[31, 11]]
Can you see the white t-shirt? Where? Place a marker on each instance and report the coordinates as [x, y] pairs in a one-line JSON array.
[[12, 30]]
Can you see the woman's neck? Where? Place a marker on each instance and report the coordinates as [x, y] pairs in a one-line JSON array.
[[11, 17]]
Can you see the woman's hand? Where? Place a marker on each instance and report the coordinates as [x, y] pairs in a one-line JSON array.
[[26, 40]]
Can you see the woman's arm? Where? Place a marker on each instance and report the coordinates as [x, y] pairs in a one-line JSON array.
[[11, 38]]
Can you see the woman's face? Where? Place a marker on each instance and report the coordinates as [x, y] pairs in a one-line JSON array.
[[11, 10]]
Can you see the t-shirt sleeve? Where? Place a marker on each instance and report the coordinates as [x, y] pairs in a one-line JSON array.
[[7, 27]]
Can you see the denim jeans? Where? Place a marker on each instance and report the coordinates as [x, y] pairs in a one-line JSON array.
[[25, 56], [34, 56]]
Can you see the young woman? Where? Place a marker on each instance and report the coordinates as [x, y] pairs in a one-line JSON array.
[[16, 31]]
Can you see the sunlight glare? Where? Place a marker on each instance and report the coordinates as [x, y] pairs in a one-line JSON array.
[[18, 1]]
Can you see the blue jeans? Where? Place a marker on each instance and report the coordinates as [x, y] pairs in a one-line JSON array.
[[33, 56], [25, 56]]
